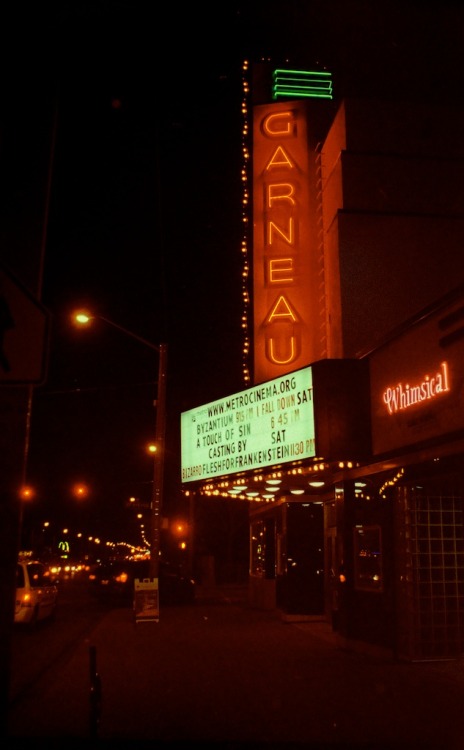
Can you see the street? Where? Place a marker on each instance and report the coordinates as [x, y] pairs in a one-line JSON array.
[[221, 672]]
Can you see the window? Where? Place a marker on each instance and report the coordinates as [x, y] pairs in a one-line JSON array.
[[368, 558], [257, 542]]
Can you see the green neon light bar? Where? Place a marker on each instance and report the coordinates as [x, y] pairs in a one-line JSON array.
[[302, 84]]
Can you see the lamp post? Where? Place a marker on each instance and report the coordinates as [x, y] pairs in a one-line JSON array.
[[83, 318], [158, 472]]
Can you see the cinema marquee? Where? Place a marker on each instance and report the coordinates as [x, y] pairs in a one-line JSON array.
[[268, 424]]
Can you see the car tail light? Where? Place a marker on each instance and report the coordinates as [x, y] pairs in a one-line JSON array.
[[122, 578], [24, 601]]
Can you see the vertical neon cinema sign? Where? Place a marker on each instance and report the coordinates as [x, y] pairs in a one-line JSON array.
[[284, 247]]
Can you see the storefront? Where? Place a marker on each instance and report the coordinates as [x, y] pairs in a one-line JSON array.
[[287, 559], [277, 446], [417, 415], [368, 532]]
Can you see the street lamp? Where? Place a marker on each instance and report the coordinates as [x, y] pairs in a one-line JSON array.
[[83, 318]]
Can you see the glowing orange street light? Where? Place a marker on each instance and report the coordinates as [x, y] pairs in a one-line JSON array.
[[180, 529], [27, 493], [84, 317], [80, 490]]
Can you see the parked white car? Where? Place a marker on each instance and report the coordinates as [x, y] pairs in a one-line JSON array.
[[36, 596]]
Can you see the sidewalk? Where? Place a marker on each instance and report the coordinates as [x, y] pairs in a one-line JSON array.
[[221, 672]]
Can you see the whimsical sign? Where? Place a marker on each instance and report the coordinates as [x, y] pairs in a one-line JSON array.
[[417, 381], [265, 425], [402, 396]]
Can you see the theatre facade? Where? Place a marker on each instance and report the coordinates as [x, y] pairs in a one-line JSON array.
[[367, 532], [349, 445]]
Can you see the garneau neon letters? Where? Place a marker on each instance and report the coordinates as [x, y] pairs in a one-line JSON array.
[[283, 275]]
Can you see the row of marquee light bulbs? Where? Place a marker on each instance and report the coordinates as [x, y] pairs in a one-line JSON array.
[[272, 485]]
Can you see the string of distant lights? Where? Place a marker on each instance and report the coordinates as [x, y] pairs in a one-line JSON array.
[[65, 539], [134, 548], [66, 535]]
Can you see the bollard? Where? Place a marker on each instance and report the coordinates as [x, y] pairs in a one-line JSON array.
[[95, 693]]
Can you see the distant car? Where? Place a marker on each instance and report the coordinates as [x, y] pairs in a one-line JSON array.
[[116, 581], [65, 570], [36, 594]]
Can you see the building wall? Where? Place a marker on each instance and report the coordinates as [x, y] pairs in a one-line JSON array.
[[429, 564], [392, 266], [418, 433], [366, 603], [393, 230], [393, 216], [393, 226]]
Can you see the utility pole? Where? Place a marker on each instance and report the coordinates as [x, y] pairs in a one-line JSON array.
[[159, 458]]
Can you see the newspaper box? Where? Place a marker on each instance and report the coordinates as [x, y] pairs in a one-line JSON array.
[[146, 604]]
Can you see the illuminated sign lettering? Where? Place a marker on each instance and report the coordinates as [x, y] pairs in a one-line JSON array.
[[265, 425], [401, 397], [286, 296]]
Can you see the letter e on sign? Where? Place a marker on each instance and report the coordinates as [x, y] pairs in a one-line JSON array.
[[24, 327]]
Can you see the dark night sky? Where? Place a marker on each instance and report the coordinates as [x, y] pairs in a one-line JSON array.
[[144, 223]]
